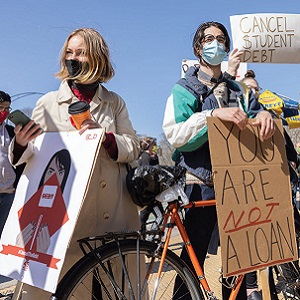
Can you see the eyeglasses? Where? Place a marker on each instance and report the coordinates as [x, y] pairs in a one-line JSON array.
[[210, 38], [2, 108]]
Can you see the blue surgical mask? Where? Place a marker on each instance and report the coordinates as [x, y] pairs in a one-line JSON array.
[[214, 53]]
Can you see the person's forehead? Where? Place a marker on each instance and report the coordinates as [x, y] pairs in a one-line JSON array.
[[76, 41], [251, 82], [213, 30], [4, 103]]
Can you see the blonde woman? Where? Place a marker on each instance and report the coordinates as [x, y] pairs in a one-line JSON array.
[[85, 66]]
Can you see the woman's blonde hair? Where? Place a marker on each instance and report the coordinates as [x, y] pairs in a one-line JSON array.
[[99, 67]]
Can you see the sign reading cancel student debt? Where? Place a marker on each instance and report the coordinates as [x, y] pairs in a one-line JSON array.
[[253, 194], [267, 38], [48, 199]]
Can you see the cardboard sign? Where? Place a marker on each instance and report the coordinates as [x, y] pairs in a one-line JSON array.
[[45, 209], [267, 38], [186, 63], [253, 193]]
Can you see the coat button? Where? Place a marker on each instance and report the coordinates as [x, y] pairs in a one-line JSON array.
[[102, 184], [106, 216]]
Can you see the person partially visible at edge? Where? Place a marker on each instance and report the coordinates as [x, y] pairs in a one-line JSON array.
[[148, 154], [251, 83], [206, 91], [9, 176], [85, 67]]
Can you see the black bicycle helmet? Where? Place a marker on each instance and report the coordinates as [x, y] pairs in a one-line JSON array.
[[144, 183]]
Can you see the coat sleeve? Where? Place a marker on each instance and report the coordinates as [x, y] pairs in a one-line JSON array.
[[38, 113], [184, 127], [126, 138], [27, 154]]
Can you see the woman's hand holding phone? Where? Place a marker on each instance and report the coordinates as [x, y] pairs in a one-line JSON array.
[[25, 128], [27, 133]]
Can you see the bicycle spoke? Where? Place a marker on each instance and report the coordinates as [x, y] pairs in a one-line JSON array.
[[286, 278], [125, 275], [129, 273], [97, 294]]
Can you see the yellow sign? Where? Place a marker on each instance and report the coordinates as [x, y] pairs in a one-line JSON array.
[[271, 101], [293, 122]]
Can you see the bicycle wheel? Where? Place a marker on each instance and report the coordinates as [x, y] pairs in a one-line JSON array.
[[285, 281], [132, 267]]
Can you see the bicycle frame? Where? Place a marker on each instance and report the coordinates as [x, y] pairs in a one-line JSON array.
[[172, 218]]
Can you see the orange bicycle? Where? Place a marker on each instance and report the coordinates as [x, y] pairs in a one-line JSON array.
[[125, 266]]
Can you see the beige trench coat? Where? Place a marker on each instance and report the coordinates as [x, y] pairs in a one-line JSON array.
[[107, 206]]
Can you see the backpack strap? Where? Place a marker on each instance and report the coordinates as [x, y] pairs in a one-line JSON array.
[[10, 130]]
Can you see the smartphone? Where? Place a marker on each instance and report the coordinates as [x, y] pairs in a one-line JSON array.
[[17, 117]]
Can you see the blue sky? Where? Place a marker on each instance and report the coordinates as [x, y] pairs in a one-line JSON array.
[[147, 40]]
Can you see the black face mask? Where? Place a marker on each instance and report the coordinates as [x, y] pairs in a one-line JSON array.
[[74, 67]]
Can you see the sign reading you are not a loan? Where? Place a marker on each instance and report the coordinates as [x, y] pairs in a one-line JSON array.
[[267, 38], [254, 206]]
